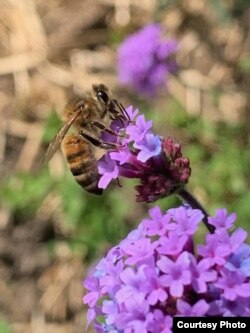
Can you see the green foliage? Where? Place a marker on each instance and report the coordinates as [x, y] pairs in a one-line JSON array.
[[221, 10], [115, 37], [4, 327], [220, 163], [245, 64], [23, 192], [164, 4]]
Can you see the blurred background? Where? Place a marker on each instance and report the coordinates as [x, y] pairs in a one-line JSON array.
[[51, 231]]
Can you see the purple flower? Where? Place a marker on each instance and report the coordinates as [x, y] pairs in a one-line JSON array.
[[221, 245], [176, 274], [150, 146], [144, 60], [238, 308], [201, 274], [152, 286], [135, 316], [230, 243], [172, 245], [138, 131], [132, 114], [91, 284], [198, 309], [233, 285], [240, 259], [214, 251], [154, 274], [133, 281], [108, 169], [161, 323], [157, 162], [222, 219], [157, 224], [139, 251], [188, 219], [122, 156], [109, 308], [111, 280]]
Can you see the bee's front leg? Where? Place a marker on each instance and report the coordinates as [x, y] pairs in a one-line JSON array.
[[97, 142]]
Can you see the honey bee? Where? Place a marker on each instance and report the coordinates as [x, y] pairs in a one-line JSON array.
[[110, 106], [89, 117]]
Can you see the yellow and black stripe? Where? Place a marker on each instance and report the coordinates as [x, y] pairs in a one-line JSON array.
[[82, 162]]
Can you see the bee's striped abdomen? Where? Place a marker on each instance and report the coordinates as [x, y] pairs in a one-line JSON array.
[[82, 162]]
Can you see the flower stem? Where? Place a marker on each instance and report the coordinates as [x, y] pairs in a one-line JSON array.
[[186, 196]]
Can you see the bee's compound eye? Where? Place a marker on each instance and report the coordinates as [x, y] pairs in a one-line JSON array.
[[102, 96]]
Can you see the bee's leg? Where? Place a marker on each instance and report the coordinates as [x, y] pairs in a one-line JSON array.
[[119, 117], [98, 142], [103, 127], [117, 111], [122, 109], [107, 129]]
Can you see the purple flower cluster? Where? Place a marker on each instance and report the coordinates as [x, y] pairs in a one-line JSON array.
[[158, 272], [156, 161], [144, 60]]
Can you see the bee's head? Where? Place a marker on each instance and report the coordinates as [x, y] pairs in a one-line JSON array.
[[101, 92]]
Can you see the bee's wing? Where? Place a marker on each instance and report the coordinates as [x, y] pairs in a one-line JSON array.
[[59, 137]]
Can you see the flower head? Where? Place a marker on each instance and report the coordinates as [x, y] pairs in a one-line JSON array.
[[144, 60], [154, 274], [157, 162]]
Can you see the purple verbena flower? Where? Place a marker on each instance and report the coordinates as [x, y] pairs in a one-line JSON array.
[[222, 219], [154, 274], [139, 251], [188, 219], [230, 243], [134, 316], [132, 281], [138, 131], [108, 168], [109, 308], [157, 162], [157, 224], [145, 60], [198, 309], [233, 285], [172, 244], [91, 284], [111, 280], [201, 274], [240, 259], [238, 308], [161, 323], [176, 274], [155, 292], [150, 146]]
